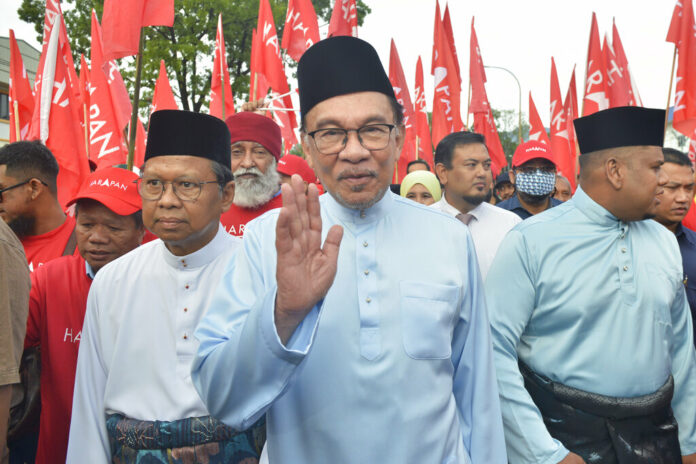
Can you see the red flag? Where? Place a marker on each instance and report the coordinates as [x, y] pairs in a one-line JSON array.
[[55, 118], [301, 29], [536, 127], [436, 36], [570, 108], [560, 144], [258, 85], [595, 96], [123, 20], [162, 97], [344, 19], [282, 118], [622, 62], [618, 84], [84, 92], [110, 108], [681, 33], [140, 144], [447, 26], [220, 82], [446, 107], [21, 96], [480, 107], [398, 82], [269, 63], [425, 144]]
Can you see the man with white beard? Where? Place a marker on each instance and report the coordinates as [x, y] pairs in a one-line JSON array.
[[256, 144]]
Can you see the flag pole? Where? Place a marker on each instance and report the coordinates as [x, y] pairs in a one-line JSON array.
[[136, 102], [669, 91], [468, 103], [417, 157], [222, 84], [15, 108], [84, 111]]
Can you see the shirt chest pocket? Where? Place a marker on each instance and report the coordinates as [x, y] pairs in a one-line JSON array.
[[428, 317]]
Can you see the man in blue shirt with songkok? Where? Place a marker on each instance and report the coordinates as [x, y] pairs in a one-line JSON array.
[[592, 334]]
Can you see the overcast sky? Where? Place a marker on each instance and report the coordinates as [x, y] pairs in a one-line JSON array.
[[516, 34]]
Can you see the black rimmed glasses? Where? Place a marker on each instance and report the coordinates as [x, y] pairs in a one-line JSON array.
[[152, 189], [332, 140], [19, 185]]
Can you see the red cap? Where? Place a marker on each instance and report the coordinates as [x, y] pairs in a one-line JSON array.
[[293, 164], [114, 188], [251, 127], [530, 150]]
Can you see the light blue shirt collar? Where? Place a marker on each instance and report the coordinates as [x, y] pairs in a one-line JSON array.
[[90, 272], [593, 210], [358, 217]]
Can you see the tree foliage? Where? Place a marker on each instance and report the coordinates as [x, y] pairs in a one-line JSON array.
[[507, 122], [187, 48]]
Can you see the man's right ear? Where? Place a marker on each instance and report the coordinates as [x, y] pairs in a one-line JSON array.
[[441, 173]]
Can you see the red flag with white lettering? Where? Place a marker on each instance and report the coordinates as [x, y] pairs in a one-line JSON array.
[[622, 62], [220, 81], [56, 118], [123, 20], [618, 85], [446, 107], [110, 108], [560, 145], [301, 29], [21, 96], [258, 84], [344, 19], [447, 26], [681, 33], [282, 118], [398, 82], [163, 97], [595, 96], [425, 144], [537, 131], [480, 107]]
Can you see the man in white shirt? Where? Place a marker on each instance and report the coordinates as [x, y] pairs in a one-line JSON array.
[[463, 166], [134, 400]]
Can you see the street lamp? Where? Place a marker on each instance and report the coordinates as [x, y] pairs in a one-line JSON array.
[[519, 88]]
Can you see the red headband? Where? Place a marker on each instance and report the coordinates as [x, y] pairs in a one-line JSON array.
[[251, 127]]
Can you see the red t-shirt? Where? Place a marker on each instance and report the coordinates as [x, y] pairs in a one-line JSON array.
[[236, 218], [57, 305], [43, 248]]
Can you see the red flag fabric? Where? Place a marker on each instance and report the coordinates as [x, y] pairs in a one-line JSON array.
[[162, 96], [425, 144], [123, 20], [344, 19], [446, 98], [398, 82], [301, 29], [618, 84], [681, 33], [269, 63], [21, 97], [622, 62], [570, 108], [447, 25], [220, 81], [480, 107], [536, 127], [560, 145], [110, 108], [56, 118], [140, 144], [84, 92], [258, 83], [595, 96], [436, 32], [690, 219], [282, 118]]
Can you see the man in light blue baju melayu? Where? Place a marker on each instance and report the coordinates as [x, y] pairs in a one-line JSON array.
[[592, 332], [376, 347]]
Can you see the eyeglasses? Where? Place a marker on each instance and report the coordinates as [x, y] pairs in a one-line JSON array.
[[533, 169], [19, 185], [152, 189], [333, 140]]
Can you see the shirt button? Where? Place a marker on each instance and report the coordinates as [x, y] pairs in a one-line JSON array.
[[185, 337], [362, 214], [625, 268], [623, 250], [364, 244], [368, 299], [187, 287], [367, 272], [185, 310]]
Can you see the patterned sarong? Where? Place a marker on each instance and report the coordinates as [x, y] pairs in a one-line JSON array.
[[194, 440]]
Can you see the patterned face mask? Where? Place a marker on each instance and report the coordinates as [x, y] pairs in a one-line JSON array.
[[537, 183]]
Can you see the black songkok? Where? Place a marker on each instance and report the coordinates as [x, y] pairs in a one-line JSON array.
[[625, 126], [339, 66], [174, 132]]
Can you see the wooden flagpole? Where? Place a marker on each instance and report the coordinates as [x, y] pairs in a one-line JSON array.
[[417, 140], [669, 92], [84, 111], [468, 103], [136, 102], [15, 108]]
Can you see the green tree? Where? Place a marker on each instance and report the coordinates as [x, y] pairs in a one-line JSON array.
[[507, 122], [187, 48]]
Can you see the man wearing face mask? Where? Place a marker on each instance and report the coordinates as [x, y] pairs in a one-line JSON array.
[[534, 175]]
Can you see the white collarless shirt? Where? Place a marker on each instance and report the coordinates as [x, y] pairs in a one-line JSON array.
[[488, 228]]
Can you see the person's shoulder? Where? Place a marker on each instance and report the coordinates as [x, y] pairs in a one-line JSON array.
[[556, 216], [507, 204], [690, 236], [60, 265], [136, 259], [500, 213], [406, 206]]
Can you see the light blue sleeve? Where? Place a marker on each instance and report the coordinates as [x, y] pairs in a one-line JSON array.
[[474, 382], [241, 366], [684, 371], [510, 294]]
